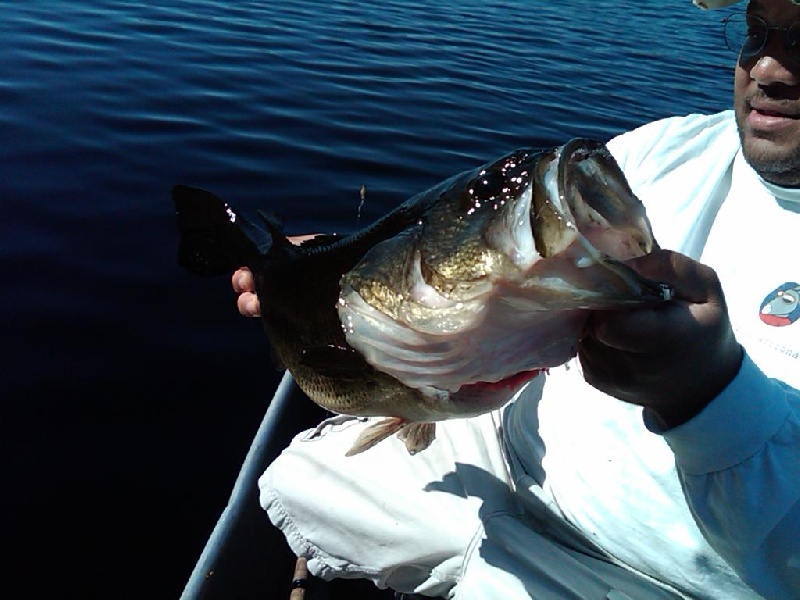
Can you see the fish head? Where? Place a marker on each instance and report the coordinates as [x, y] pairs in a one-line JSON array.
[[498, 272], [585, 212]]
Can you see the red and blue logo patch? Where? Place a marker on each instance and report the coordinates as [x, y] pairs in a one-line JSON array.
[[781, 307]]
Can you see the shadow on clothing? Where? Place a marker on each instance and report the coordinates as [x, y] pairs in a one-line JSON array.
[[527, 545]]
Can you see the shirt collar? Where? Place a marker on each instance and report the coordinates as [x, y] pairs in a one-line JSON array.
[[788, 197]]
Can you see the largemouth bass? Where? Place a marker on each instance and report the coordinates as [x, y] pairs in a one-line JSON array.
[[450, 303]]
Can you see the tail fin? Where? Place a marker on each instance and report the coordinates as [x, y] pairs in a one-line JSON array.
[[214, 239]]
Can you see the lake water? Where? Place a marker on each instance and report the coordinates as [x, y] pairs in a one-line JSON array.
[[131, 390]]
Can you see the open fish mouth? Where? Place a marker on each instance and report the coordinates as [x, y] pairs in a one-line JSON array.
[[498, 281]]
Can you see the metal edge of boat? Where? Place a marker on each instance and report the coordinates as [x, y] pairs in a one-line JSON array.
[[245, 556]]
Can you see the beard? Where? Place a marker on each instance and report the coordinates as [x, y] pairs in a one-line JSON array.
[[776, 158]]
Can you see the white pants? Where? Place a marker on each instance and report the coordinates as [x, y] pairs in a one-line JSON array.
[[445, 522]]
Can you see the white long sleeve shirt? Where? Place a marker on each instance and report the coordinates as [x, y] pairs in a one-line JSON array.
[[739, 460], [565, 493]]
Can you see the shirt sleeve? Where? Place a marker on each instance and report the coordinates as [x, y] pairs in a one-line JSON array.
[[739, 464]]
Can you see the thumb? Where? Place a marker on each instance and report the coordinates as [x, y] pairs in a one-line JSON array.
[[692, 281]]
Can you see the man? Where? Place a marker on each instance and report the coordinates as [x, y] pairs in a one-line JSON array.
[[568, 492]]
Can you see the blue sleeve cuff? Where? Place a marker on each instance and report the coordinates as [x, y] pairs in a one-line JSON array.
[[732, 428]]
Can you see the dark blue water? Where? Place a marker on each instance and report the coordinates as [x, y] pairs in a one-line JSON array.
[[131, 390]]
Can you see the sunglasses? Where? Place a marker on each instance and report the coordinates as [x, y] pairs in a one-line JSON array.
[[747, 35]]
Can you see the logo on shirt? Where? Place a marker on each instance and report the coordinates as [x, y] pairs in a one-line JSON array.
[[781, 307]]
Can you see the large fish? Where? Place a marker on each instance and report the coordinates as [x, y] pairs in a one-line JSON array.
[[446, 306]]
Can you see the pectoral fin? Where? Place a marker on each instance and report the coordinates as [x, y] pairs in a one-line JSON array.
[[417, 436], [375, 433]]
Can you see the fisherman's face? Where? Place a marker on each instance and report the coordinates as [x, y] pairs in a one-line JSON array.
[[767, 97]]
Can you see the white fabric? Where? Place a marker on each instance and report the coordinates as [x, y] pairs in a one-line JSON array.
[[565, 493]]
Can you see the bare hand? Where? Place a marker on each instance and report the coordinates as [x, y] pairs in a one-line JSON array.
[[672, 358], [242, 282]]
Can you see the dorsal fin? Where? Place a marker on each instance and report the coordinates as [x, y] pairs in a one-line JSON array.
[[274, 225]]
